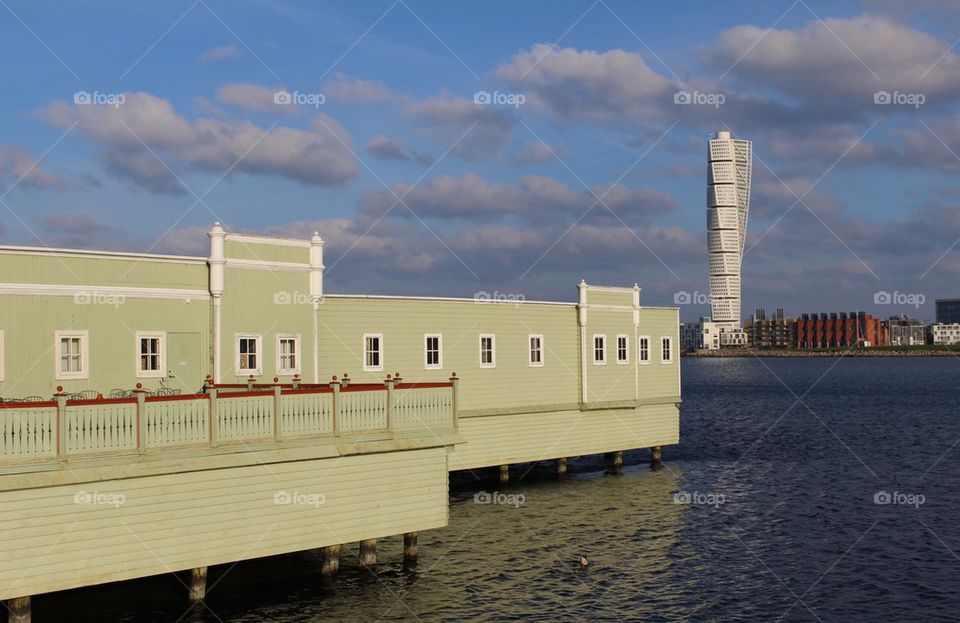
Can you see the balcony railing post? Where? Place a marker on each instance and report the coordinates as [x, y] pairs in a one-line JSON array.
[[335, 386], [61, 424], [141, 415], [277, 406], [214, 425], [455, 400], [389, 384]]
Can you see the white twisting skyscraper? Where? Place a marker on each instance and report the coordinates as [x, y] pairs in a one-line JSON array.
[[729, 164]]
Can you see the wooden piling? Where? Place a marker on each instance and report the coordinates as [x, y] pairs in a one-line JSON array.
[[198, 584], [616, 462], [561, 468], [19, 608], [411, 548], [655, 455], [368, 553], [331, 560], [504, 474]]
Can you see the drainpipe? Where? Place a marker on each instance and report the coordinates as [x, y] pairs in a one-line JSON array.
[[582, 320], [316, 294], [217, 260], [636, 345]]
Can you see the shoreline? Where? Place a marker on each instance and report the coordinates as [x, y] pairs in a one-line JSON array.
[[851, 352]]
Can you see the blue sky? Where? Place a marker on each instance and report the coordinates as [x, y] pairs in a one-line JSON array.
[[851, 197]]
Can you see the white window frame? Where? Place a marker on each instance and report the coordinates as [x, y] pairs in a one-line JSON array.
[[640, 349], [603, 349], [3, 353], [493, 350], [162, 359], [297, 354], [259, 354], [426, 363], [530, 350], [84, 372], [669, 349], [369, 368], [626, 349]]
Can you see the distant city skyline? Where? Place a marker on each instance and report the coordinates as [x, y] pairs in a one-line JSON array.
[[444, 149]]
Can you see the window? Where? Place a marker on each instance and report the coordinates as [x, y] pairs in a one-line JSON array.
[[536, 351], [432, 351], [643, 346], [248, 354], [488, 355], [599, 350], [373, 352], [151, 354], [72, 355], [623, 349], [288, 354], [667, 349]]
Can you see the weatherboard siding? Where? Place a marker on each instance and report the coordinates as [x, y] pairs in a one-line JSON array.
[[523, 437], [201, 517]]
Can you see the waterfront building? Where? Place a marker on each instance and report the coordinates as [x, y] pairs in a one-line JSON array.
[[906, 331], [729, 165], [840, 330], [944, 334], [947, 311], [164, 413], [701, 335], [776, 332]]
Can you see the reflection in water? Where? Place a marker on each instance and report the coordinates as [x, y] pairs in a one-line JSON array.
[[774, 502], [507, 553]]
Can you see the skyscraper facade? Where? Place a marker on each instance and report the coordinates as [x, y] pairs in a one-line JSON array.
[[729, 164]]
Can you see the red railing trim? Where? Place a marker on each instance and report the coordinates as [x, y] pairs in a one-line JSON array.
[[177, 397], [363, 388], [242, 394], [421, 385], [27, 405], [102, 401], [316, 390]]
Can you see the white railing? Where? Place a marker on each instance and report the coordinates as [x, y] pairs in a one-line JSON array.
[[63, 429], [176, 421], [422, 406], [28, 430]]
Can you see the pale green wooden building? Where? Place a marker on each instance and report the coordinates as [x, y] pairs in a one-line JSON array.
[[163, 479], [539, 378]]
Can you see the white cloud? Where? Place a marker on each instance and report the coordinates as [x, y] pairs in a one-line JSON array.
[[313, 157], [221, 53]]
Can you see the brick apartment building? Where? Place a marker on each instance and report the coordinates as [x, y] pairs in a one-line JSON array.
[[837, 330], [776, 332]]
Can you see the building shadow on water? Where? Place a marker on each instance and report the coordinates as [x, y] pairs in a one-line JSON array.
[[500, 558]]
